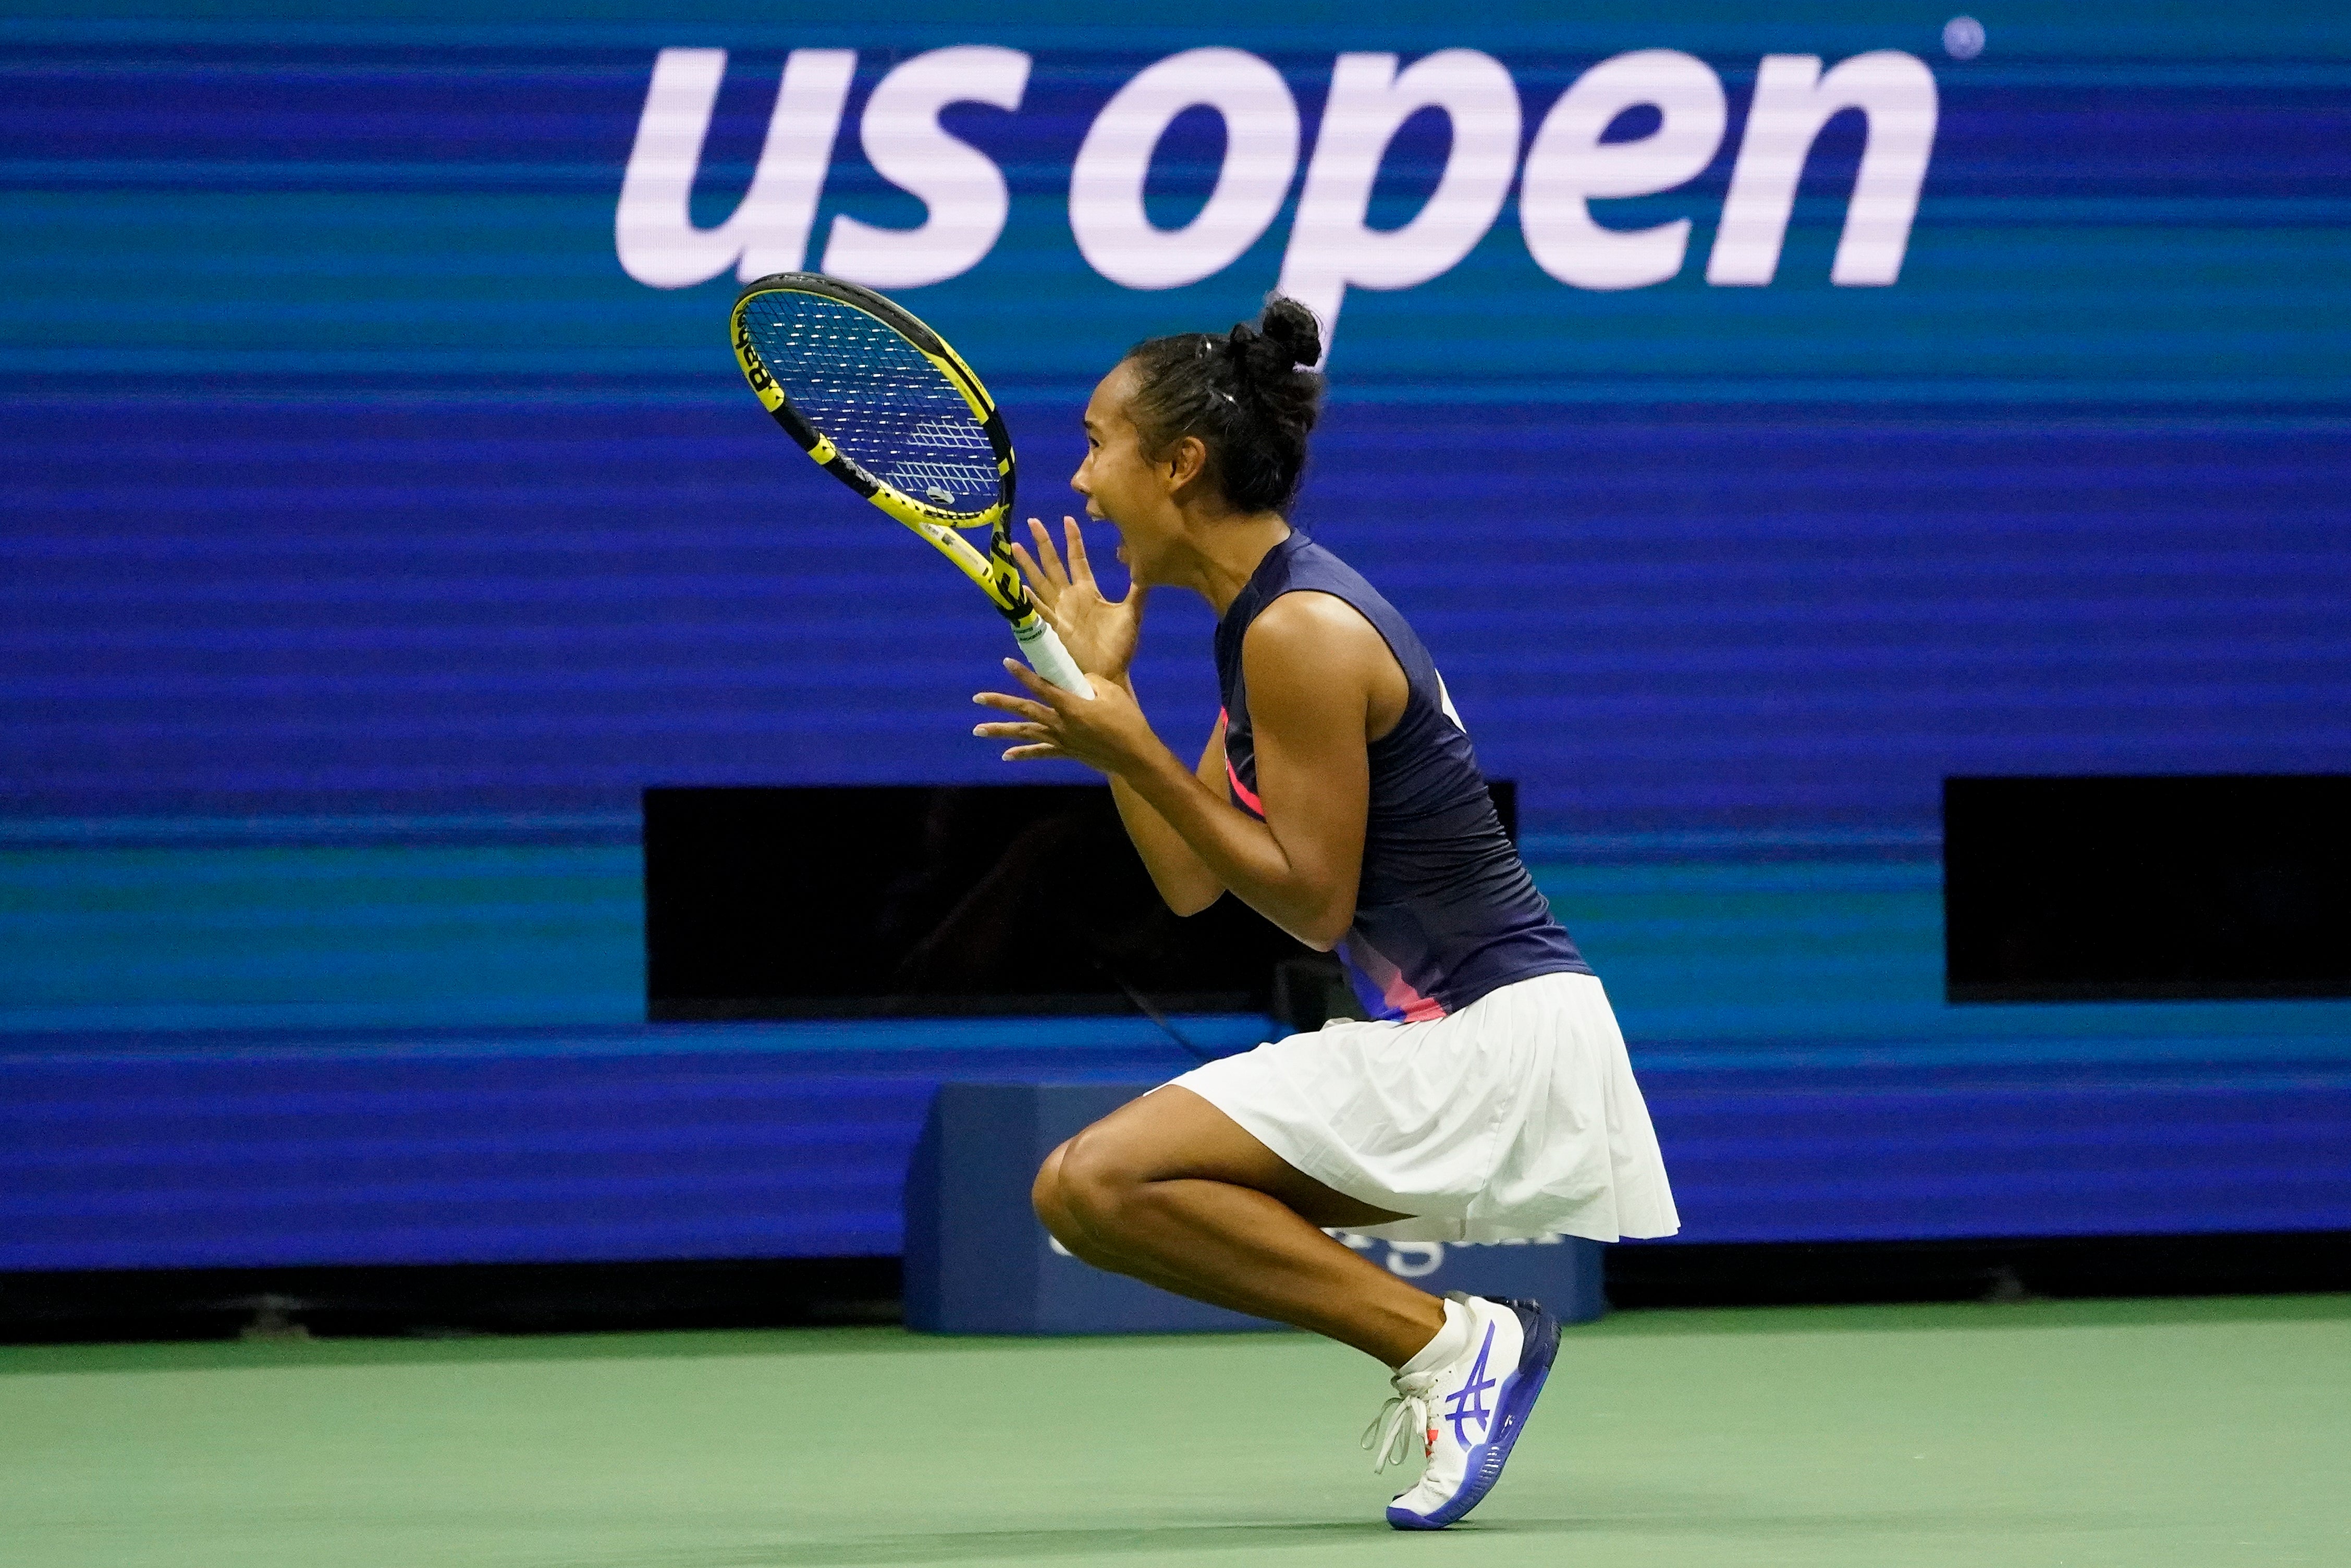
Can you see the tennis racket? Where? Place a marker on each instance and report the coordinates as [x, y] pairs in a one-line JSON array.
[[882, 402]]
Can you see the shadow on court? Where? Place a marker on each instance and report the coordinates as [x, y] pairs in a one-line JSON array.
[[1699, 1517], [1029, 1545]]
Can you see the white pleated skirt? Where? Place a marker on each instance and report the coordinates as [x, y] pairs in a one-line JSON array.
[[1517, 1116]]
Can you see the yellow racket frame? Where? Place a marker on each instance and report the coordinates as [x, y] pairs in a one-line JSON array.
[[993, 573]]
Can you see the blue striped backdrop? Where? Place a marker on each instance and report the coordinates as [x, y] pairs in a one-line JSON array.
[[369, 538], [345, 469]]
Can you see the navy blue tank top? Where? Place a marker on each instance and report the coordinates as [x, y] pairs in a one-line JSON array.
[[1446, 911]]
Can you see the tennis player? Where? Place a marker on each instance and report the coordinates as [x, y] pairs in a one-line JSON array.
[[1488, 1096]]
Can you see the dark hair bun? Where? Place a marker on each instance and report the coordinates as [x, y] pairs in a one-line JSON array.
[[1292, 326], [1250, 396]]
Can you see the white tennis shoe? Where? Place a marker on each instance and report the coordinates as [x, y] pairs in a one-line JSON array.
[[1467, 1413]]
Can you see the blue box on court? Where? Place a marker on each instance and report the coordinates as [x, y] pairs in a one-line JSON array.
[[978, 1261]]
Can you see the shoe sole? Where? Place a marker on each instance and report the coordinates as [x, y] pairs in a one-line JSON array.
[[1540, 1332]]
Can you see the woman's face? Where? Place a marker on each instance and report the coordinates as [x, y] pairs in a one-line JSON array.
[[1123, 486]]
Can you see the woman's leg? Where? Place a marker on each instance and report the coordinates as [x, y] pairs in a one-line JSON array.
[[1046, 1199], [1171, 1190]]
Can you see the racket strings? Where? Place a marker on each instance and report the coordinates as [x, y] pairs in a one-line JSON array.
[[878, 399]]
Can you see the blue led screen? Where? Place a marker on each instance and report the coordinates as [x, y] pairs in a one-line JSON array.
[[347, 466], [1762, 412]]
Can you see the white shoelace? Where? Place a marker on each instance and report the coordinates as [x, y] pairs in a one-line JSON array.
[[1404, 1419]]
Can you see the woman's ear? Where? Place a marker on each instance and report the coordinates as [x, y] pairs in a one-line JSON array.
[[1184, 461]]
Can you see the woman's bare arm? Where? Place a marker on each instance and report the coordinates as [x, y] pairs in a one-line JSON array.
[[1310, 663], [1102, 633], [1320, 678], [1182, 877]]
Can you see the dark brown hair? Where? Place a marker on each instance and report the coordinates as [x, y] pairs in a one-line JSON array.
[[1245, 395]]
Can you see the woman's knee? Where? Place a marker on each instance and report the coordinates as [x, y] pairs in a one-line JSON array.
[[1045, 1193], [1074, 1190], [1049, 1197], [1094, 1184]]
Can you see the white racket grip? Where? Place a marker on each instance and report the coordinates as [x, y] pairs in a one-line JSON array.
[[1041, 645]]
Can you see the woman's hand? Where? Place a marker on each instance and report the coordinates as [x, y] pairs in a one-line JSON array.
[[1106, 731], [1100, 633]]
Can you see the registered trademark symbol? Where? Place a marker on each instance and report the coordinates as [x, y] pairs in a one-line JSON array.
[[1963, 37]]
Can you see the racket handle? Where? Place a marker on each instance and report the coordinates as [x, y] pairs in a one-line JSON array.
[[1041, 645]]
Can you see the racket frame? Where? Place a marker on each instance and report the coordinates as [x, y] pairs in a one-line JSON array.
[[995, 573]]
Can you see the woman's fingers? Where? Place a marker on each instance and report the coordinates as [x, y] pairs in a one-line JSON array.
[[1034, 740], [1033, 712], [1081, 570], [1046, 555], [1019, 734], [1045, 551], [1054, 696], [1041, 588]]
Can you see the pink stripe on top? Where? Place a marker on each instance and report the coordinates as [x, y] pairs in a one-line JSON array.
[[1241, 792], [1402, 999]]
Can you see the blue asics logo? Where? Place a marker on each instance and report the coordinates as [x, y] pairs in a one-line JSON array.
[[1459, 1410]]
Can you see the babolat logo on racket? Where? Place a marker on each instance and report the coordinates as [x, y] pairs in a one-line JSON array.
[[754, 371]]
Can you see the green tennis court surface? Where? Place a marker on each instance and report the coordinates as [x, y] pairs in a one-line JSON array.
[[2202, 1432]]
